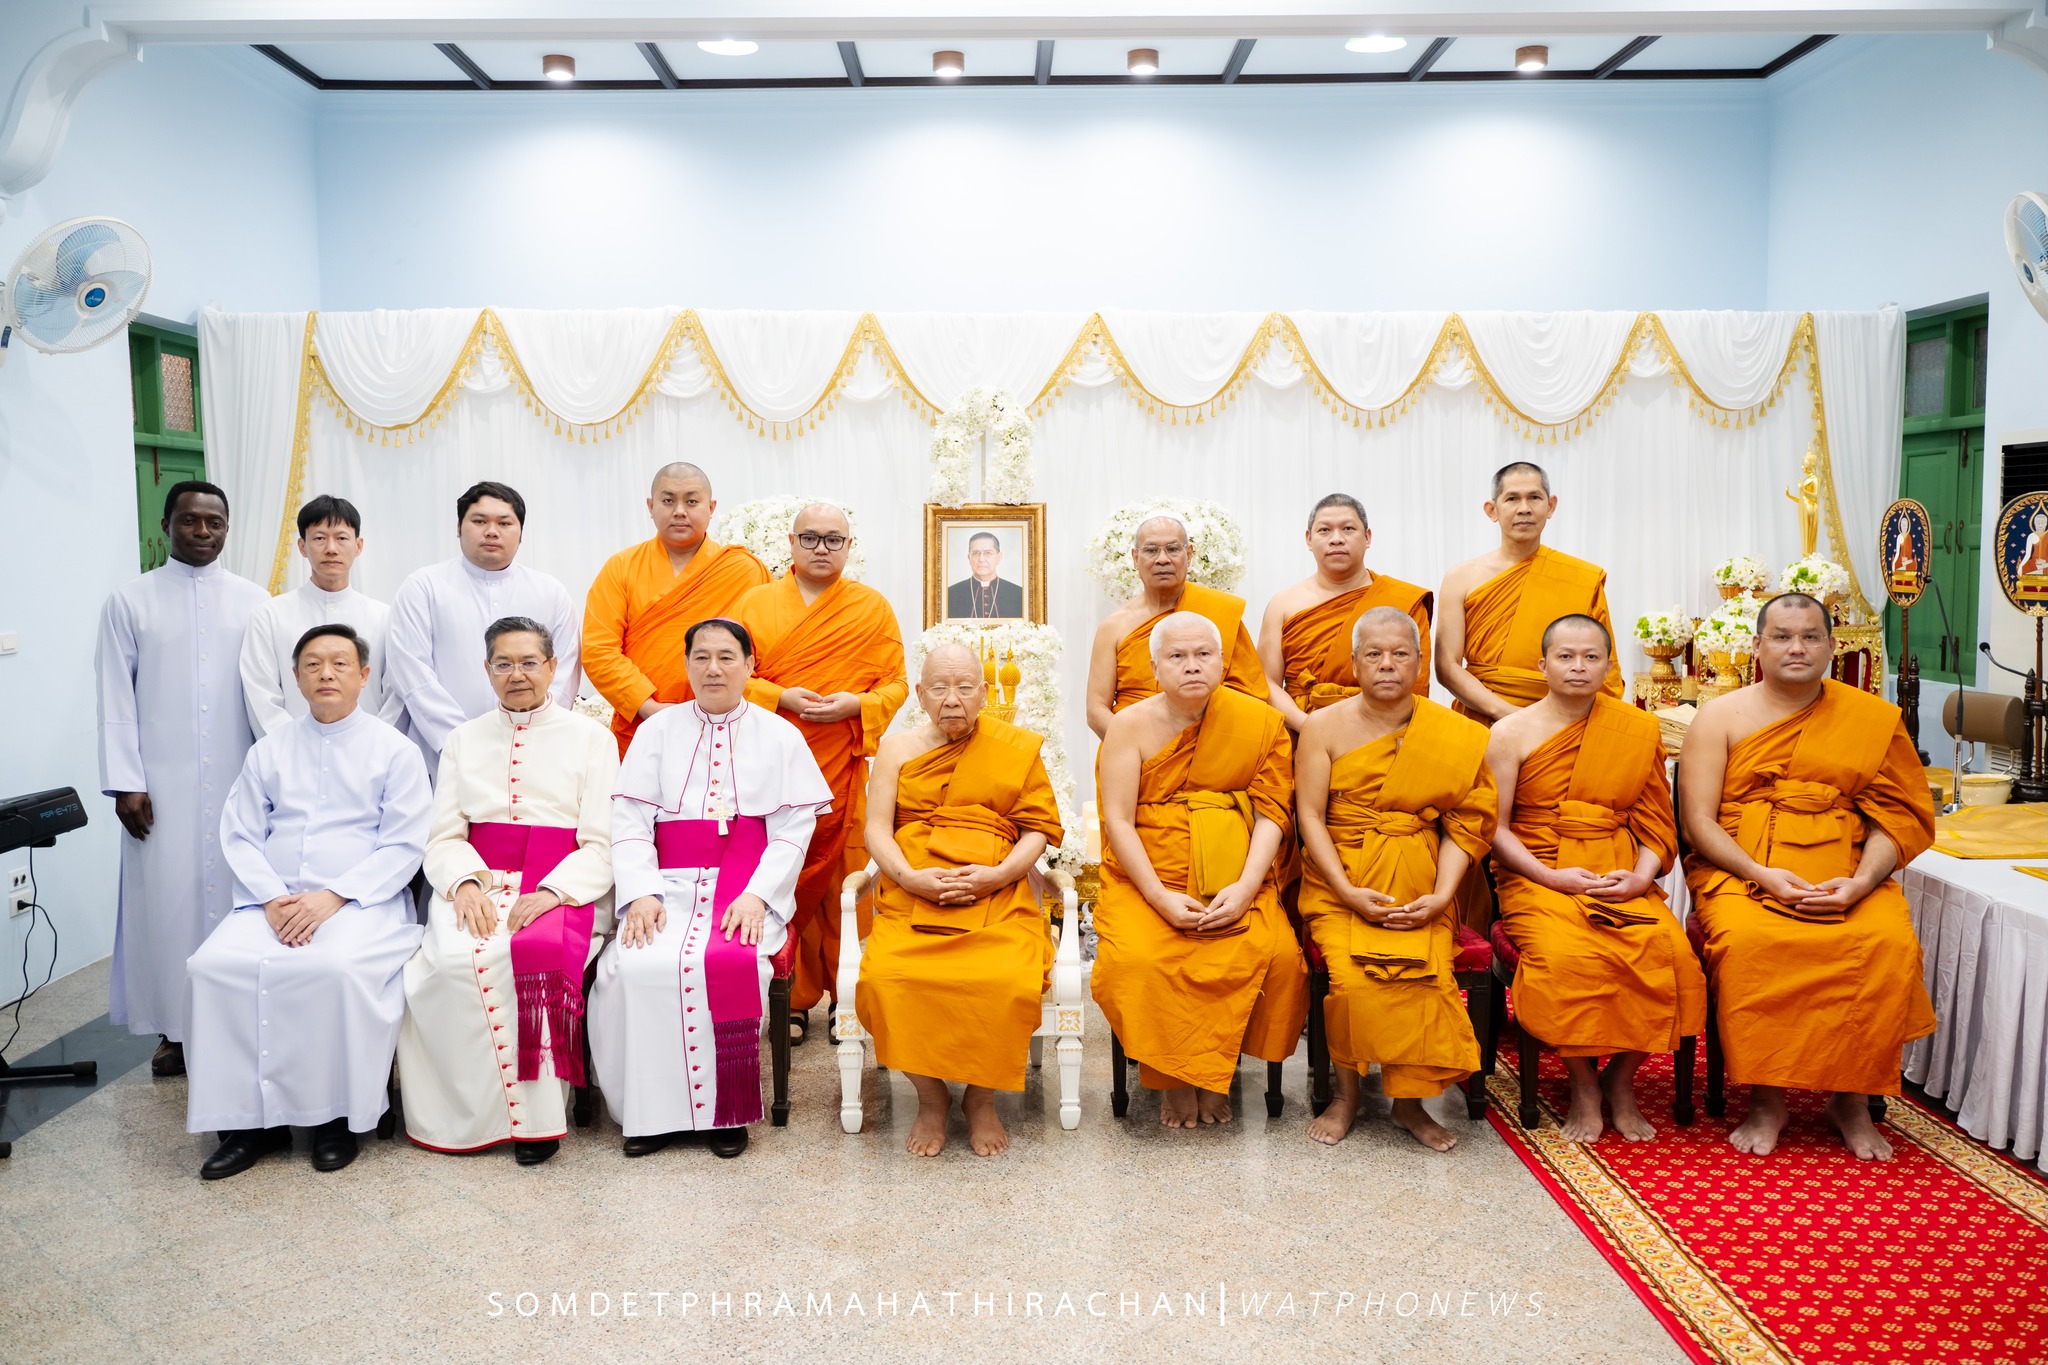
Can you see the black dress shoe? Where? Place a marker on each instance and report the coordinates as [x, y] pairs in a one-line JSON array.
[[727, 1142], [169, 1060], [533, 1153], [241, 1148], [334, 1146], [649, 1142]]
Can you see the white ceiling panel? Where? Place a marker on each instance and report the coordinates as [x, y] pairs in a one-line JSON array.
[[985, 58], [1110, 56], [374, 61], [1713, 52], [774, 62], [594, 61], [1315, 56], [1574, 53]]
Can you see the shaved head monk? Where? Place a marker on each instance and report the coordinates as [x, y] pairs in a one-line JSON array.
[[1586, 828], [1493, 610], [829, 658], [959, 811], [1305, 637], [1395, 803], [645, 597], [1801, 797], [1119, 666], [1196, 962]]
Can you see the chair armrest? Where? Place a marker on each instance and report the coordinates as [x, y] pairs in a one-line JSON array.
[[847, 975]]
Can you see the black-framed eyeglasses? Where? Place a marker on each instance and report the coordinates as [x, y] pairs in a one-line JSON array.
[[811, 540]]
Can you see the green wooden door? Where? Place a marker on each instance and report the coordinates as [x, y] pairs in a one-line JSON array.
[[1943, 467], [163, 366], [156, 470]]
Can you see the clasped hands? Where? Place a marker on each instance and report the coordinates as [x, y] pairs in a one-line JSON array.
[[294, 918], [1792, 890], [648, 916], [1613, 887], [1377, 907], [1193, 915], [952, 885], [805, 704], [474, 911]]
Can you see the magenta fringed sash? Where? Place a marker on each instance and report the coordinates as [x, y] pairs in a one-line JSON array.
[[548, 954], [732, 972]]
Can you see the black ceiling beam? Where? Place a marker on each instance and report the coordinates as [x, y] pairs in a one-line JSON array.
[[663, 72], [849, 57], [1239, 55], [1628, 53], [1043, 74], [469, 68], [1431, 55], [297, 68], [1793, 54]]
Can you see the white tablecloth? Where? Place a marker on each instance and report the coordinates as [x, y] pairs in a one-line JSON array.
[[1984, 930]]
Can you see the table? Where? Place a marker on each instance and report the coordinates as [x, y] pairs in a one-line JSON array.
[[1984, 932]]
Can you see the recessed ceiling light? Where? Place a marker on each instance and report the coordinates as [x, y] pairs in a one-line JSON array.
[[948, 64], [1376, 42], [558, 67], [1142, 61], [730, 47], [1532, 59]]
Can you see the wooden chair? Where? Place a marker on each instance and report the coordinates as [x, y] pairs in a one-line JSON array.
[[1119, 1083], [1473, 969], [1061, 1019]]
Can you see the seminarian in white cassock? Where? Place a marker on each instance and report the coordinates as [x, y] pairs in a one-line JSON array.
[[296, 996]]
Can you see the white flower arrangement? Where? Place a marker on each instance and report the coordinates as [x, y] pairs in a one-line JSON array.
[[1814, 576], [1669, 629], [763, 527], [1742, 571], [1037, 651], [1732, 627], [1216, 538], [979, 414]]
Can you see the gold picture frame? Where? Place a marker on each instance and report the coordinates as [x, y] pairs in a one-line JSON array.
[[1013, 593]]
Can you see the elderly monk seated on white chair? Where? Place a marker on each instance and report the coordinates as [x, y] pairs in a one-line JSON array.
[[959, 810], [713, 815], [520, 859], [295, 996]]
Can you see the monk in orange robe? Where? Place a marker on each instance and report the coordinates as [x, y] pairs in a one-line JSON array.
[[828, 656], [1395, 803], [959, 812], [1305, 636], [1495, 608], [1120, 663], [647, 595], [1196, 963], [1586, 828], [1801, 797]]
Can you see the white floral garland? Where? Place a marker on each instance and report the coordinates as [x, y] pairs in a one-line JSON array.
[[1037, 650], [1218, 541], [1670, 628], [1742, 571], [763, 527], [1814, 576], [1732, 627], [994, 414]]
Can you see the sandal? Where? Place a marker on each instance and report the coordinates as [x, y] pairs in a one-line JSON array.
[[799, 1027]]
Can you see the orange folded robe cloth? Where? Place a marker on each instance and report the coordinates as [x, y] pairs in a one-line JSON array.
[[637, 613], [1186, 1006], [1818, 1002], [955, 991], [1596, 977], [1505, 618], [845, 641], [1393, 997], [1242, 669], [1315, 642]]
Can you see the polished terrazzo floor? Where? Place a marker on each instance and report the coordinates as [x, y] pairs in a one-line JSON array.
[[1138, 1242]]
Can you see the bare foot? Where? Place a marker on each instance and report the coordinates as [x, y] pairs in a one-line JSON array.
[[985, 1132], [1177, 1107], [1330, 1126], [1851, 1116], [1768, 1116], [1618, 1084], [1582, 1122], [928, 1131], [1213, 1107], [1410, 1114]]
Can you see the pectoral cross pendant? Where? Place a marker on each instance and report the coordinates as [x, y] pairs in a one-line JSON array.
[[722, 812]]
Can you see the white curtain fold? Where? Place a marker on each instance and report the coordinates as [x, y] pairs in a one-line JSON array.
[[1862, 378], [1369, 358], [248, 403], [779, 363], [387, 365], [1735, 357], [946, 354], [1183, 358], [586, 364], [1550, 365]]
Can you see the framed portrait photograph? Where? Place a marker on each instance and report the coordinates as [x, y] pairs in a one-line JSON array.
[[984, 562]]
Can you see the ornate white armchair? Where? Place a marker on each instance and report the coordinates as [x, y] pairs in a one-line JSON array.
[[1061, 1022]]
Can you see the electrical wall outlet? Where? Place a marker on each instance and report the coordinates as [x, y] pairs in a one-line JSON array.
[[19, 897]]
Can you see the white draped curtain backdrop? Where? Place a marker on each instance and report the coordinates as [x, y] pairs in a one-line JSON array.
[[1652, 485]]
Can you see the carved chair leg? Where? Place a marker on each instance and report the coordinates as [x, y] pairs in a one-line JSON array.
[[1319, 1093], [1119, 1093], [1717, 1089], [778, 1049], [1274, 1099], [1479, 1009], [1682, 1067], [1530, 1059]]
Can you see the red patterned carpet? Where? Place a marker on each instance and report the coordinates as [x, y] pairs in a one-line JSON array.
[[1806, 1256]]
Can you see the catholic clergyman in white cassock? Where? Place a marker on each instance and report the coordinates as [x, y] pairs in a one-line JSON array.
[[716, 803], [297, 994], [520, 859], [330, 539], [440, 613], [173, 732]]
